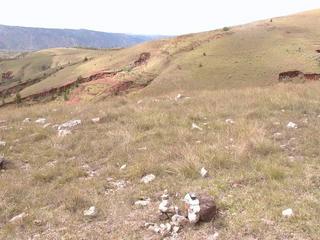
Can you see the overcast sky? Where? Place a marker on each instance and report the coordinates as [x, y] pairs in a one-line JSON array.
[[166, 17]]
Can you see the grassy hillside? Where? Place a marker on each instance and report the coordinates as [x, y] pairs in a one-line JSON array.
[[242, 56], [258, 167]]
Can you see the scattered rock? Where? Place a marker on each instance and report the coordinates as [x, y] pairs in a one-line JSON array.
[[148, 178], [165, 206], [195, 126], [193, 207], [41, 121], [142, 149], [178, 220], [3, 144], [292, 125], [26, 120], [230, 121], [277, 135], [208, 208], [143, 202], [95, 120], [18, 219], [46, 125], [214, 236], [204, 172], [123, 167], [91, 212], [287, 213], [64, 132], [179, 96], [70, 124]]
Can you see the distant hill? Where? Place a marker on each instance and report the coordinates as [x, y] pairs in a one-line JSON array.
[[25, 39]]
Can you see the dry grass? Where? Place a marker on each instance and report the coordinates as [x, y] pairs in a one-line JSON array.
[[253, 179]]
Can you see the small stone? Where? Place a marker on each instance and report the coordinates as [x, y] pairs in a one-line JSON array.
[[178, 97], [3, 144], [41, 120], [143, 202], [203, 173], [46, 125], [176, 229], [37, 222], [70, 124], [91, 212], [95, 120], [123, 167], [63, 133], [214, 236], [178, 220], [277, 135], [18, 219], [148, 178], [230, 121], [26, 120], [196, 127], [3, 163], [292, 125], [287, 213]]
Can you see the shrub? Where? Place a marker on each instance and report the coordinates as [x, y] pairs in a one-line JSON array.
[[18, 98], [226, 29]]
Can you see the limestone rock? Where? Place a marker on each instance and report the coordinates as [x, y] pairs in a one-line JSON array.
[[148, 178], [287, 213], [204, 172], [230, 121], [95, 120], [292, 125], [91, 212], [64, 132], [143, 202], [18, 219], [196, 127], [26, 120], [41, 120], [70, 124], [3, 143]]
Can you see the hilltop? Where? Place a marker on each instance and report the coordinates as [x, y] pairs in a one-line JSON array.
[[14, 38]]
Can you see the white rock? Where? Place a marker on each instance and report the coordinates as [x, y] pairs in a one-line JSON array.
[[3, 144], [195, 126], [178, 220], [318, 116], [143, 203], [19, 218], [148, 178], [69, 124], [176, 229], [214, 236], [292, 125], [178, 97], [277, 135], [91, 212], [123, 167], [287, 213], [139, 102], [193, 205], [41, 120], [203, 172], [26, 120], [63, 133], [230, 121], [46, 125], [95, 120]]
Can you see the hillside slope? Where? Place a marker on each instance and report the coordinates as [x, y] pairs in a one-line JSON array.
[[29, 39], [242, 56]]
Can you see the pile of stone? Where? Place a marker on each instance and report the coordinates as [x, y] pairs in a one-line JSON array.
[[198, 208]]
